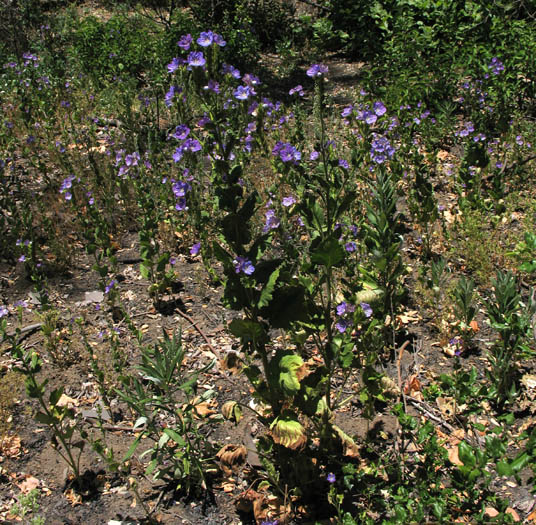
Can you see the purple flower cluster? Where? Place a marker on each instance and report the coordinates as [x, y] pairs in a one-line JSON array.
[[180, 189], [496, 66], [297, 90], [272, 222], [243, 265], [3, 311], [466, 130], [207, 38], [381, 150], [66, 185], [317, 70], [189, 145], [286, 152], [344, 311]]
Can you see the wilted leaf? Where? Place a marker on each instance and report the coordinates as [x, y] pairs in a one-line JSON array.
[[30, 483], [231, 457], [350, 449], [288, 431], [10, 446], [231, 411], [66, 401]]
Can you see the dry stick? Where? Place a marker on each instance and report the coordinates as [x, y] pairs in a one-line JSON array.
[[201, 333], [398, 364]]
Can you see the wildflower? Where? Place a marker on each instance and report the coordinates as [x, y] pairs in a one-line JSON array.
[[331, 478], [3, 311], [317, 70], [185, 42], [181, 132], [227, 69], [205, 39], [110, 286], [218, 40], [379, 109], [213, 86], [345, 308], [22, 258], [496, 66], [381, 150], [168, 99], [243, 265], [314, 155], [350, 247], [242, 92], [173, 65], [194, 250], [344, 164], [347, 111], [196, 59], [251, 80], [367, 310], [288, 201], [369, 117], [192, 145], [298, 89], [272, 222]]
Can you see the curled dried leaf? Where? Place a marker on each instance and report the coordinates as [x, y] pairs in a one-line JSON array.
[[231, 457]]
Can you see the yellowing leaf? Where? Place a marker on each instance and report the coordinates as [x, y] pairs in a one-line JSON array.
[[288, 431]]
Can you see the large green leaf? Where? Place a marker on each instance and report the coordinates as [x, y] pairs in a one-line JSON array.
[[266, 293], [286, 370], [248, 331], [328, 253]]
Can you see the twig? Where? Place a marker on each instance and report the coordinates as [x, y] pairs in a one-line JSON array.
[[26, 331], [398, 365], [201, 333]]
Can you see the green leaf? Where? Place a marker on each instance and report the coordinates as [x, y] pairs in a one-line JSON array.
[[328, 253], [504, 468], [466, 454], [132, 449], [247, 331], [45, 419], [287, 368], [175, 437], [145, 270], [266, 293], [55, 396]]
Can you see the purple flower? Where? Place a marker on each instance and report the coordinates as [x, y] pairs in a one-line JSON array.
[[181, 204], [168, 99], [243, 265], [379, 108], [177, 154], [272, 222], [227, 69], [185, 42], [347, 111], [22, 258], [317, 70], [218, 39], [298, 89], [242, 92], [345, 308], [196, 59], [331, 478], [180, 188], [350, 247], [194, 250], [192, 145], [369, 117], [110, 286], [3, 311], [496, 66], [314, 155], [367, 310], [344, 164], [181, 132], [213, 86], [288, 201], [205, 39], [381, 150], [173, 65]]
